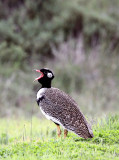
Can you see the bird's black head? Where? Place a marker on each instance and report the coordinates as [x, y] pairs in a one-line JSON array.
[[45, 77]]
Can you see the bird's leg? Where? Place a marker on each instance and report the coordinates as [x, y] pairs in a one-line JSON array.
[[65, 133], [58, 130]]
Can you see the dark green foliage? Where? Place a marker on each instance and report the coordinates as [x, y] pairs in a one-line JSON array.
[[86, 68], [69, 79], [28, 28]]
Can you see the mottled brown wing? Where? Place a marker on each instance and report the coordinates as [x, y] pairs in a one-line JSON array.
[[65, 110]]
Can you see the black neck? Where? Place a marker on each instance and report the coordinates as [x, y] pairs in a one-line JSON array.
[[46, 85], [45, 82]]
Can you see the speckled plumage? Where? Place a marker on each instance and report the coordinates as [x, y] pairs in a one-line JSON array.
[[62, 109]]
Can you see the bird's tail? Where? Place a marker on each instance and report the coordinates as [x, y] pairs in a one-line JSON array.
[[89, 132]]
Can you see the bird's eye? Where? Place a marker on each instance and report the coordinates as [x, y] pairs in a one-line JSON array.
[[49, 75], [45, 72]]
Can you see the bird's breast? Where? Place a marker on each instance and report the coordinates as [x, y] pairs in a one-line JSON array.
[[40, 95], [41, 92]]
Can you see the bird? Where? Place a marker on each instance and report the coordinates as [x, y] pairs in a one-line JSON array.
[[60, 108]]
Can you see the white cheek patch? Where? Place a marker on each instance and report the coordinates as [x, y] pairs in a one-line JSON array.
[[49, 75]]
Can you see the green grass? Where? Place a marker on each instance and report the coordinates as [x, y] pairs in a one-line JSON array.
[[23, 139]]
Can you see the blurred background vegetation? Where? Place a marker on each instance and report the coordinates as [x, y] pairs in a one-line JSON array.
[[76, 39]]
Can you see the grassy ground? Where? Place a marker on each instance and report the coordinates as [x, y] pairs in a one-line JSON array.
[[37, 139]]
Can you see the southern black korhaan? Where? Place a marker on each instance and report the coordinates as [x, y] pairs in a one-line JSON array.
[[60, 107]]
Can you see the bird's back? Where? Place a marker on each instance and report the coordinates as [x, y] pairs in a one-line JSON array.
[[65, 111]]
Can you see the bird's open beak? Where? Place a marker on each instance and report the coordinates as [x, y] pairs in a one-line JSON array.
[[40, 75]]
